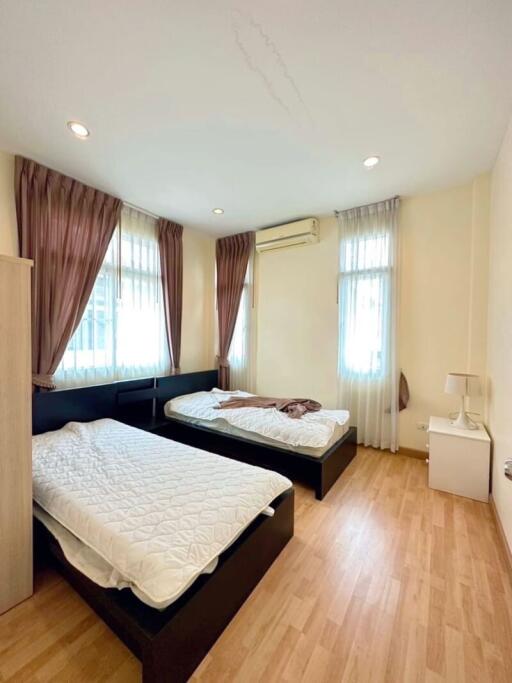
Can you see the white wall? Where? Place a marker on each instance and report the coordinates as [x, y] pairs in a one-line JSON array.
[[500, 331], [443, 286], [8, 228]]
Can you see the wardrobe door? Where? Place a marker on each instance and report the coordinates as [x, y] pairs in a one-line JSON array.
[[15, 433]]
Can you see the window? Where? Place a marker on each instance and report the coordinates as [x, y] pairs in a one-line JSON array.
[[367, 369], [364, 297], [122, 332]]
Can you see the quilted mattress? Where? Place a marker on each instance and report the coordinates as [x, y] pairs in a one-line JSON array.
[[155, 513], [312, 434]]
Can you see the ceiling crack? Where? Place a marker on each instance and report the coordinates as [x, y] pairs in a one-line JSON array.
[[237, 19]]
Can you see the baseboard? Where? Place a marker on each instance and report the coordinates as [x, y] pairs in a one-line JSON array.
[[412, 453], [409, 452], [501, 533]]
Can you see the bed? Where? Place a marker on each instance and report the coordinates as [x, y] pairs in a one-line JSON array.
[[163, 540], [315, 449]]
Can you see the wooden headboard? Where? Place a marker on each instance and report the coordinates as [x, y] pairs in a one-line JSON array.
[[131, 400]]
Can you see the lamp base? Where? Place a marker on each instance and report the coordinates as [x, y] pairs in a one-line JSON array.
[[463, 421]]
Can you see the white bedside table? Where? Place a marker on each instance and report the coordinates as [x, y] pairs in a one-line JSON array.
[[459, 459]]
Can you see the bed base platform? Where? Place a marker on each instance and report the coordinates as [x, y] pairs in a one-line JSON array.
[[319, 473], [172, 643]]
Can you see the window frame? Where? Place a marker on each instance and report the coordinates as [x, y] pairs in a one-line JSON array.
[[357, 274], [120, 272]]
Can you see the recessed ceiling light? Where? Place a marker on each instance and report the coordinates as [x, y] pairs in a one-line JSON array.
[[218, 211], [78, 129], [370, 162]]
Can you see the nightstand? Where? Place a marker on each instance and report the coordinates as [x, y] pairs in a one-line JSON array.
[[459, 459]]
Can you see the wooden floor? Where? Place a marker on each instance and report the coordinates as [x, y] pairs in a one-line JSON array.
[[385, 580]]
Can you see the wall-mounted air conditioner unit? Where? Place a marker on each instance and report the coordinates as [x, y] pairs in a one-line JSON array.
[[288, 235]]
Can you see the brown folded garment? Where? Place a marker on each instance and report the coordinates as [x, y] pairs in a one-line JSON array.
[[403, 392], [293, 407]]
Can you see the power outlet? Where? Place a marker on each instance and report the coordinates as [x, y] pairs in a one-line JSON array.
[[422, 426]]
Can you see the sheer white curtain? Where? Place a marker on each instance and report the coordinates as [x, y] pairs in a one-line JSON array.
[[122, 332], [240, 355], [368, 311]]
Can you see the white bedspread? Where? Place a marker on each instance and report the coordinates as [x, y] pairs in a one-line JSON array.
[[157, 511], [312, 430]]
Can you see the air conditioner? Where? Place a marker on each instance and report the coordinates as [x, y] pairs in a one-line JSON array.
[[288, 235]]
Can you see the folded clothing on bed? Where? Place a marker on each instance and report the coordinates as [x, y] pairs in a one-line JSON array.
[[293, 407], [157, 512], [314, 430]]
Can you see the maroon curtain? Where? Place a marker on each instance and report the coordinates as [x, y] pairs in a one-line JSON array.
[[170, 242], [232, 255], [65, 228]]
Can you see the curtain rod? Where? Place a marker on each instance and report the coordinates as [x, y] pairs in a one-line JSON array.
[[363, 206], [138, 208]]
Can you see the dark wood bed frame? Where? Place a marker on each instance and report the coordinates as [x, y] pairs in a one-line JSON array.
[[141, 404], [170, 643], [319, 473]]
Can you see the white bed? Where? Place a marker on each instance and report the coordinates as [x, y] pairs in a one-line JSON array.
[[132, 509], [313, 434]]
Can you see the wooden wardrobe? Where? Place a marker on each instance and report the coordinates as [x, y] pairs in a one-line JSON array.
[[15, 433]]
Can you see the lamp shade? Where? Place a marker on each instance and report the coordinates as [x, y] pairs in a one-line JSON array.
[[462, 384]]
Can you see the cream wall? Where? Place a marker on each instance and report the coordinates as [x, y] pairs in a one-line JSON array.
[[500, 331], [8, 229], [197, 351], [297, 319], [443, 285], [443, 298]]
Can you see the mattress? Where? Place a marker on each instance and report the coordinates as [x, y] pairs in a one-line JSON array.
[[311, 435], [132, 509]]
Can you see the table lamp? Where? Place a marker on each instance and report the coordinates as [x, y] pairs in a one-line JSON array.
[[463, 384]]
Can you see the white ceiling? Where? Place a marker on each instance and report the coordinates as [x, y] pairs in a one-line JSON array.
[[266, 108]]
